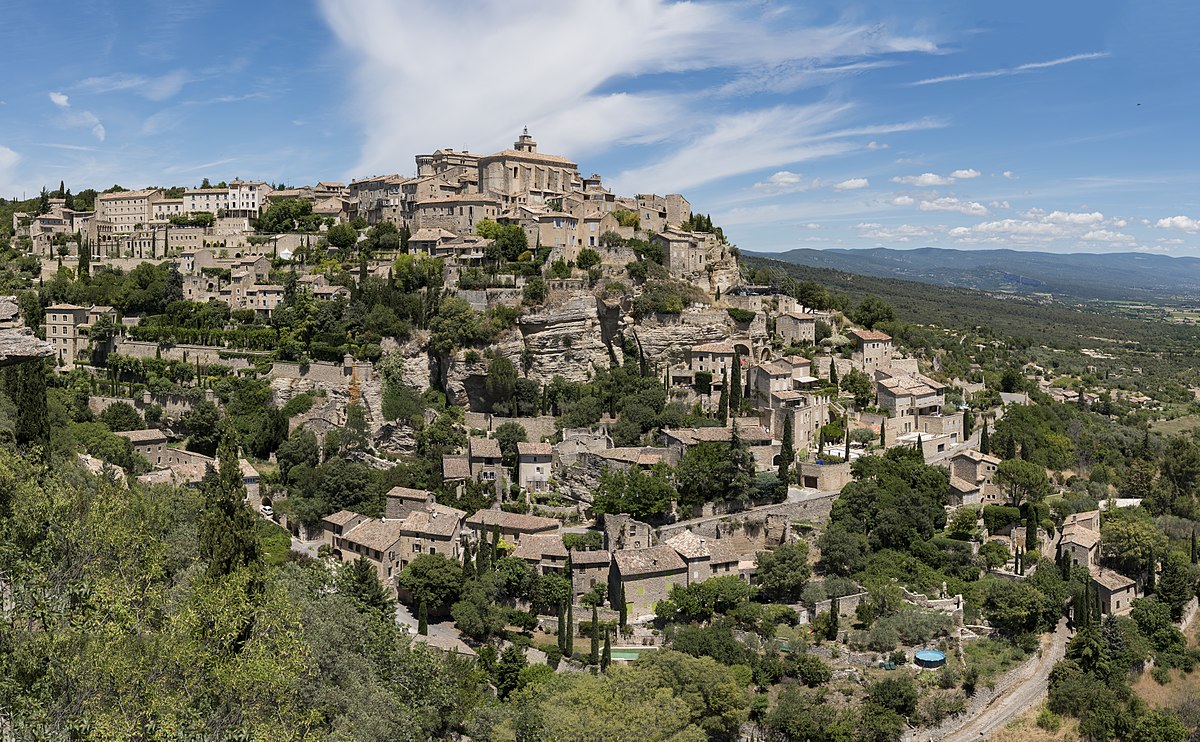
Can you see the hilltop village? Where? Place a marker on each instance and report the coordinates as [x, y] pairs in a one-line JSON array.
[[515, 409]]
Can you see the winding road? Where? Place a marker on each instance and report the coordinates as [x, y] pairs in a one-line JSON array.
[[1027, 691]]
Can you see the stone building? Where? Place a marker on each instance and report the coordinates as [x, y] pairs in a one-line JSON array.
[[534, 461], [524, 175], [67, 328], [643, 577], [797, 328], [873, 350], [513, 526], [704, 558]]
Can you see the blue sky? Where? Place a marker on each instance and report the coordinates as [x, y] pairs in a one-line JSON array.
[[1065, 126]]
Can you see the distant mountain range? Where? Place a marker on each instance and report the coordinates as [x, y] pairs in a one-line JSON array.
[[1132, 276]]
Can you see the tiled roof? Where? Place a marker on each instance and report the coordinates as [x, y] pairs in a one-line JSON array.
[[718, 347], [1077, 518], [437, 520], [535, 548], [513, 154], [689, 545], [153, 435], [1111, 580], [341, 517], [870, 335], [692, 436], [651, 560], [1082, 536], [512, 521], [456, 467], [375, 534], [534, 449], [590, 557], [408, 493], [485, 448]]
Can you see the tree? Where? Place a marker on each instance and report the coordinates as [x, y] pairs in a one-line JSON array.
[[723, 401], [534, 291], [1175, 586], [594, 655], [735, 386], [1031, 530], [994, 555], [508, 435], [423, 620], [782, 573], [342, 237], [968, 424], [1131, 543], [501, 384], [227, 528], [508, 669], [120, 416], [569, 647], [587, 258], [300, 448], [1024, 481], [26, 384], [359, 581], [432, 579], [984, 443], [833, 376], [897, 693], [834, 618], [718, 700], [202, 424], [859, 385], [873, 311], [606, 659], [787, 454], [1158, 726]]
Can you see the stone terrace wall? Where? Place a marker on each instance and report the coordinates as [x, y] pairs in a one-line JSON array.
[[204, 354]]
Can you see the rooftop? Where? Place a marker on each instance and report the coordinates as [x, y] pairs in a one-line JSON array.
[[512, 521], [341, 517], [484, 448], [436, 520], [375, 534], [651, 560], [590, 557], [534, 449], [1110, 580], [152, 435], [536, 547], [867, 336]]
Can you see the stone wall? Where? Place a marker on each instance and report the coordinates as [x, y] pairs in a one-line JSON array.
[[203, 354], [323, 372], [173, 405], [756, 529], [536, 428]]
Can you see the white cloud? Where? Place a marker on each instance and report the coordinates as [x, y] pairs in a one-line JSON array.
[[1107, 235], [1009, 174], [8, 165], [1018, 70], [999, 205], [158, 88], [1070, 217], [784, 181], [965, 174], [812, 225], [1182, 223], [923, 180], [903, 201], [852, 184], [71, 119], [877, 145], [970, 208], [899, 233], [580, 109]]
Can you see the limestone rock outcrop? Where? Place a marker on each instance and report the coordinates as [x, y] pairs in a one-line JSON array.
[[17, 346], [665, 339]]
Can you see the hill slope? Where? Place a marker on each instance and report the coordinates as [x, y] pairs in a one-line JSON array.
[[1136, 276]]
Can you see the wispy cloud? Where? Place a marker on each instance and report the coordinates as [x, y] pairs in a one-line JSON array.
[[184, 169], [157, 88], [71, 119], [8, 164], [852, 184], [1005, 71], [635, 86]]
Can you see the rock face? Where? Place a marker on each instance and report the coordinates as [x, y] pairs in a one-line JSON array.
[[570, 339], [665, 339], [17, 346]]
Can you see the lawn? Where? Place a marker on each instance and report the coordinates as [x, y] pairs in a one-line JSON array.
[[992, 658]]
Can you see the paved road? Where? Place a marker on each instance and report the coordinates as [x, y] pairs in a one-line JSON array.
[[1018, 699]]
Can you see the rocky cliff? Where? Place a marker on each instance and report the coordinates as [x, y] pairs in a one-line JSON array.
[[665, 339]]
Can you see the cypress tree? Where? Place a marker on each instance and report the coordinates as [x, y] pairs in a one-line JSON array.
[[227, 528], [1195, 555], [1010, 447], [984, 443], [606, 658], [833, 620], [594, 656], [787, 454], [562, 629], [1031, 534], [833, 376], [468, 567], [423, 620], [622, 607], [735, 386], [495, 546], [723, 402], [27, 387], [847, 455], [968, 423], [85, 259], [482, 563], [569, 650], [883, 433], [1151, 569]]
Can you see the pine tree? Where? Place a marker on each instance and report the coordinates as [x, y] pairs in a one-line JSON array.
[[423, 620], [594, 656], [787, 453], [735, 387], [227, 528], [606, 658], [360, 582], [984, 443]]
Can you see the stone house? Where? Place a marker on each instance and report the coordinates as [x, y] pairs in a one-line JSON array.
[[643, 577], [762, 446], [1081, 545], [544, 551], [588, 569], [458, 213], [873, 349], [486, 461], [67, 327], [513, 526], [124, 212], [378, 541], [621, 531], [971, 474], [910, 395], [797, 328], [150, 444], [704, 558], [1117, 592], [333, 526], [534, 461], [524, 175]]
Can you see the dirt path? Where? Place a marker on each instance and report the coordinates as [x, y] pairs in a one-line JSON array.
[[1025, 693]]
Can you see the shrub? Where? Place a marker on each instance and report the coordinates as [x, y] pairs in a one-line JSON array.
[[740, 315]]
